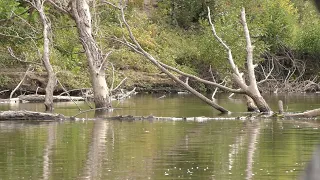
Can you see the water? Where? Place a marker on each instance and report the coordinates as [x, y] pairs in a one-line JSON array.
[[106, 149]]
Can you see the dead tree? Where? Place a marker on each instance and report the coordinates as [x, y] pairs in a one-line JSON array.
[[165, 68], [250, 90], [52, 79], [79, 10]]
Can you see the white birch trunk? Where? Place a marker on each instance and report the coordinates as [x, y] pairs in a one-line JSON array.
[[80, 11]]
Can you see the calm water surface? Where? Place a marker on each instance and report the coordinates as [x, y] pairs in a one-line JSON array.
[[106, 149]]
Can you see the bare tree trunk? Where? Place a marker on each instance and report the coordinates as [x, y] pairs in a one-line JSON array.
[[250, 90], [80, 11], [251, 106], [52, 79], [253, 90]]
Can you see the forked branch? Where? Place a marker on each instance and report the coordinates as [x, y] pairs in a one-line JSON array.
[[164, 68]]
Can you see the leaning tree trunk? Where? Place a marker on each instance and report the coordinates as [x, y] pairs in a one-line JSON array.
[[80, 11], [52, 79], [252, 89]]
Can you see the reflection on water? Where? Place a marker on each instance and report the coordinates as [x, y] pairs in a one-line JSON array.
[[104, 149]]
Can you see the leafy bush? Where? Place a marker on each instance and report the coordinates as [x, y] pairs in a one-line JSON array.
[[307, 39]]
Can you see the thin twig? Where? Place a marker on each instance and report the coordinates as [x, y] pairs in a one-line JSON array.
[[63, 88], [128, 94], [109, 3], [72, 117], [25, 74], [104, 59], [4, 91], [19, 59], [119, 85], [80, 89]]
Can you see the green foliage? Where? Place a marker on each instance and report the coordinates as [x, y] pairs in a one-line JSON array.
[[309, 40], [278, 19], [308, 33], [184, 13], [123, 59], [175, 32], [9, 7], [67, 52], [72, 80], [4, 80]]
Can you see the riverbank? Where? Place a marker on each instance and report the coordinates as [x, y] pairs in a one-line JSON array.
[[143, 82], [36, 81]]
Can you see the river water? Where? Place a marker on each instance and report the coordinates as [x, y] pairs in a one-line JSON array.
[[111, 149]]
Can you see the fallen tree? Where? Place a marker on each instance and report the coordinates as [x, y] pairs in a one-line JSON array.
[[306, 114], [41, 98], [253, 96], [29, 115], [36, 116]]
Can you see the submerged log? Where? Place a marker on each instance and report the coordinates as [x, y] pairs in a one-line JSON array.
[[29, 115], [196, 119], [40, 98], [306, 114], [11, 100]]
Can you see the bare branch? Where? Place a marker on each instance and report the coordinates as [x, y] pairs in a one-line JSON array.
[[216, 89], [25, 74], [125, 95], [19, 59], [252, 77], [202, 80], [60, 8], [34, 30], [4, 91], [11, 36], [103, 61], [138, 50], [252, 90], [119, 85], [66, 91], [268, 75], [160, 66], [109, 3], [112, 76], [230, 58]]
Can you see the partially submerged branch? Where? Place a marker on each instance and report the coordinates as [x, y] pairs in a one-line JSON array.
[[164, 68], [306, 114], [41, 98]]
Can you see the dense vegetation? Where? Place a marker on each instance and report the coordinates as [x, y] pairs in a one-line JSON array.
[[176, 32]]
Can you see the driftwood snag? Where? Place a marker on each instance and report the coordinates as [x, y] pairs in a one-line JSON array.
[[29, 115], [41, 98], [307, 114]]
